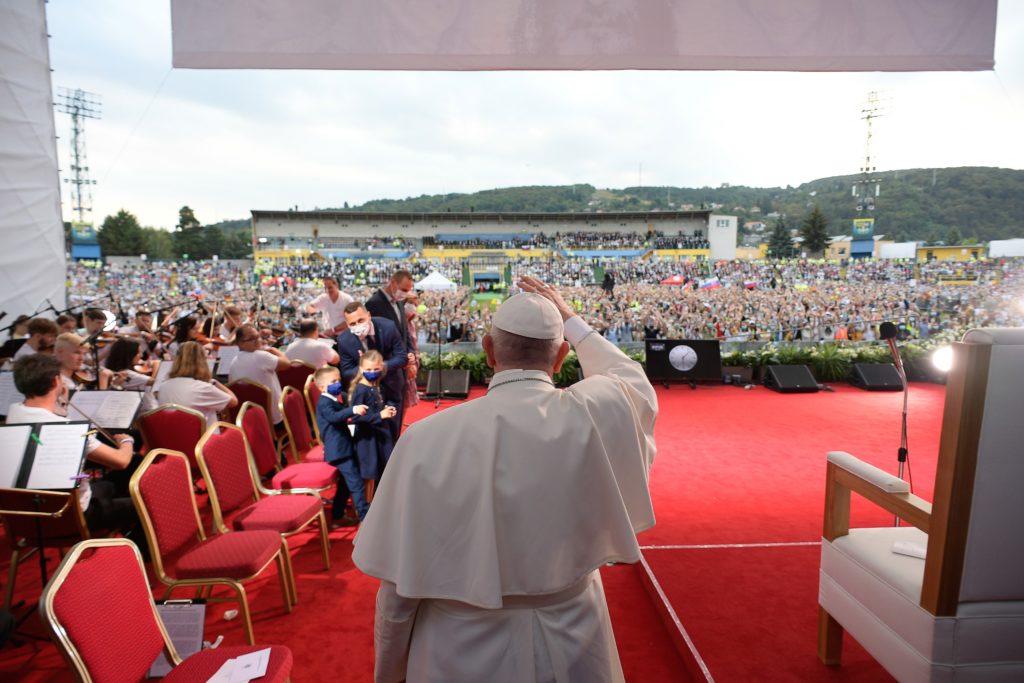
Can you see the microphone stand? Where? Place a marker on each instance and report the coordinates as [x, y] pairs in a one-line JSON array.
[[902, 454], [440, 364]]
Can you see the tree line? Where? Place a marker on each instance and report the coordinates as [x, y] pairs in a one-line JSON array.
[[122, 235]]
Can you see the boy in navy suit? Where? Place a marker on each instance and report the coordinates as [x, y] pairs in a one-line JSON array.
[[332, 419]]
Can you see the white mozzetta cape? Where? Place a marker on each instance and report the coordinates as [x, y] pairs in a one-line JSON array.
[[522, 492]]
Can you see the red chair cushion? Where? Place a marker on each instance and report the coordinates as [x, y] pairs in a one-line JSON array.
[[282, 514], [235, 556], [308, 475], [314, 454], [204, 664], [166, 488]]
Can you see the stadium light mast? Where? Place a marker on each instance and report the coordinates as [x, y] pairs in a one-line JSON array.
[[80, 105], [868, 186]]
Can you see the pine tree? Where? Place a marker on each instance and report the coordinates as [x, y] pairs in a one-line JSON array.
[[815, 232], [188, 236], [780, 242]]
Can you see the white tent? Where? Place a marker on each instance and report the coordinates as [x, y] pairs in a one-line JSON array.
[[435, 282]]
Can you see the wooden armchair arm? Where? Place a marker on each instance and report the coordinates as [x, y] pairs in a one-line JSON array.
[[846, 473]]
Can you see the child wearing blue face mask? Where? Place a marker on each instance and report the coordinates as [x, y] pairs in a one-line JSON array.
[[332, 418], [372, 438]]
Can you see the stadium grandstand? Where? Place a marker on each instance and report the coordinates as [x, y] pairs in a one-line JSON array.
[[292, 237]]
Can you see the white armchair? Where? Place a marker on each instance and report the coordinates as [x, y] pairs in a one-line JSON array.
[[958, 614]]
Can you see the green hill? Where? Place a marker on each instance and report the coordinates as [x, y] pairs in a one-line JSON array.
[[916, 204]]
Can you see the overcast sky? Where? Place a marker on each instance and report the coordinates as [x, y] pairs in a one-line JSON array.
[[226, 142]]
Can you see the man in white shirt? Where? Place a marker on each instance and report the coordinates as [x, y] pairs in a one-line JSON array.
[[259, 365], [309, 348], [38, 377], [331, 304], [42, 333], [501, 581]]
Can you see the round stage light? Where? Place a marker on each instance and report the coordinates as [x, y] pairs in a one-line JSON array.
[[942, 358]]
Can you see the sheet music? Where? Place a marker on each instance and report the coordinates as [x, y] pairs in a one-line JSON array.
[[108, 409], [58, 456], [8, 392], [13, 442], [184, 624], [227, 355]]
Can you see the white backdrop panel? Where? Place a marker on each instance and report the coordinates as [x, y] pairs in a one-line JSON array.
[[749, 35], [32, 261]]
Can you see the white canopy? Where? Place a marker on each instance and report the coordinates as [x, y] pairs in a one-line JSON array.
[[435, 282], [776, 35]]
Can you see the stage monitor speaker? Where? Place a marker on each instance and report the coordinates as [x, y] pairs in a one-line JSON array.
[[875, 377], [790, 379], [456, 384]]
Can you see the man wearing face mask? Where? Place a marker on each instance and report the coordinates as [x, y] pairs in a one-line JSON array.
[[389, 302], [366, 332]]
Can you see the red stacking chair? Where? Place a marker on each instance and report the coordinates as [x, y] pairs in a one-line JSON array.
[[238, 498], [305, 475], [303, 446], [182, 554], [173, 427], [248, 390], [295, 375], [103, 619], [312, 394]]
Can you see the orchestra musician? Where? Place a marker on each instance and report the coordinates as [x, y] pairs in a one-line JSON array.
[[191, 384], [39, 378], [233, 319], [42, 333], [309, 348], [259, 364], [70, 351]]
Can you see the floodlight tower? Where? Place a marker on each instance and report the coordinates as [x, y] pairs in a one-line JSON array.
[[868, 186], [81, 105]]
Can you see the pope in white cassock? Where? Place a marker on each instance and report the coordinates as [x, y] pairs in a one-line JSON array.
[[493, 517]]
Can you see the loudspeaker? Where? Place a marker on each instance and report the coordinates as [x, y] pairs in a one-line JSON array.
[[875, 377], [456, 383], [790, 379]]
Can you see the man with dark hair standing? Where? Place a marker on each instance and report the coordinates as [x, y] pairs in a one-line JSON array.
[[494, 517], [366, 332], [389, 302], [331, 304]]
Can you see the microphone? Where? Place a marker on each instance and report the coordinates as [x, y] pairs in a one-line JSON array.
[[3, 314], [889, 332], [53, 308]]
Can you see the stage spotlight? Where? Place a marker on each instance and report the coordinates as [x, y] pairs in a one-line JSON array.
[[942, 358]]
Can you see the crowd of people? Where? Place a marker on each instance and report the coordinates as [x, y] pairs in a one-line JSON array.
[[581, 239], [730, 300]]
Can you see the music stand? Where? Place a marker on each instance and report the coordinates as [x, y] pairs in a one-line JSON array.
[[41, 485]]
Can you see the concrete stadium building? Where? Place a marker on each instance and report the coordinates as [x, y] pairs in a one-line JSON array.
[[293, 236]]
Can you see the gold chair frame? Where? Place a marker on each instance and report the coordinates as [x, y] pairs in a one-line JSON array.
[[282, 557], [258, 491]]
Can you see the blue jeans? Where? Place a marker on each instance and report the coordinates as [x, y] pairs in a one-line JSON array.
[[351, 483]]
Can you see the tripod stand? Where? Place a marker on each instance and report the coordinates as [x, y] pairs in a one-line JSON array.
[[440, 364]]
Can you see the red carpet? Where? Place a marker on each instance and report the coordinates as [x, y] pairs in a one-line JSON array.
[[733, 467], [748, 467]]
